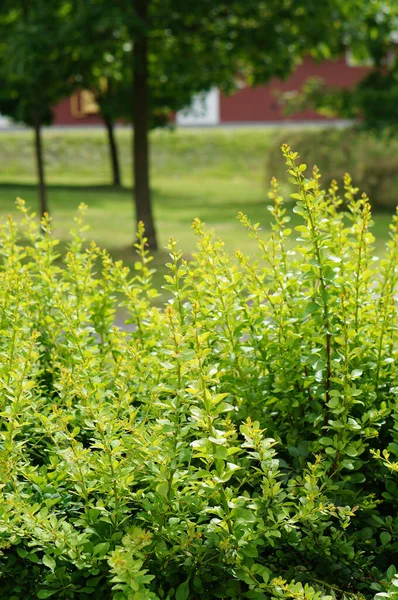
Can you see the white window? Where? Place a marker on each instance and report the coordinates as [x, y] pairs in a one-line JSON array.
[[4, 121], [204, 110]]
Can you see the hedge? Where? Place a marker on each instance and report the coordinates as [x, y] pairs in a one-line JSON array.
[[239, 442]]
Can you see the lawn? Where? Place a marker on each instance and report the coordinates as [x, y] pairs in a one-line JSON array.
[[211, 174]]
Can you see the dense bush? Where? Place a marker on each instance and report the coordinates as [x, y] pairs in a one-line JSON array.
[[240, 443], [371, 160]]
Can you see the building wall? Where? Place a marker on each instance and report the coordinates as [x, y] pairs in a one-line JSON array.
[[248, 105], [68, 112], [260, 103]]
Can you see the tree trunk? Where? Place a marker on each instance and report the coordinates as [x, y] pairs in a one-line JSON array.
[[40, 168], [113, 152], [142, 192]]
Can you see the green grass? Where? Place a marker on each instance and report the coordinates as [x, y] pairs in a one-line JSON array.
[[210, 174]]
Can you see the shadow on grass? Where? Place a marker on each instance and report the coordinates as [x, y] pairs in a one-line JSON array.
[[174, 210], [181, 205], [32, 187], [57, 192]]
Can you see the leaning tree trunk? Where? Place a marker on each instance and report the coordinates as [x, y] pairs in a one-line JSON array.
[[40, 167], [113, 152], [142, 192]]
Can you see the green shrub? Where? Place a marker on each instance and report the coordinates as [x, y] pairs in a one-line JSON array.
[[242, 442], [371, 160]]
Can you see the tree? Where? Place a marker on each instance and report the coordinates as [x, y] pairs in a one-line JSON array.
[[373, 101], [173, 49], [162, 52], [34, 66], [105, 67], [100, 67]]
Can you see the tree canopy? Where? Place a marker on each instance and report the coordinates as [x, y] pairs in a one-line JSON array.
[[163, 52], [146, 59], [36, 60], [374, 100]]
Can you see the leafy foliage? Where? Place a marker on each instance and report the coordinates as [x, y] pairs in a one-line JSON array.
[[36, 60], [239, 443], [371, 158], [371, 38], [372, 101], [195, 46]]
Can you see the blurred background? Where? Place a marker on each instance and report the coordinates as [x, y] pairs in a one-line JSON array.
[[167, 110]]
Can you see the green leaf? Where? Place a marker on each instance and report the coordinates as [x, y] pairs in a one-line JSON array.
[[182, 592], [250, 550], [367, 533], [49, 562], [326, 441], [46, 593], [242, 514], [311, 308], [33, 557], [391, 572], [355, 373], [93, 581], [302, 449], [101, 549], [162, 489], [351, 450], [334, 259], [385, 538]]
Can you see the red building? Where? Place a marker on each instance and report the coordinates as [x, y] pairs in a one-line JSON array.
[[247, 105]]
